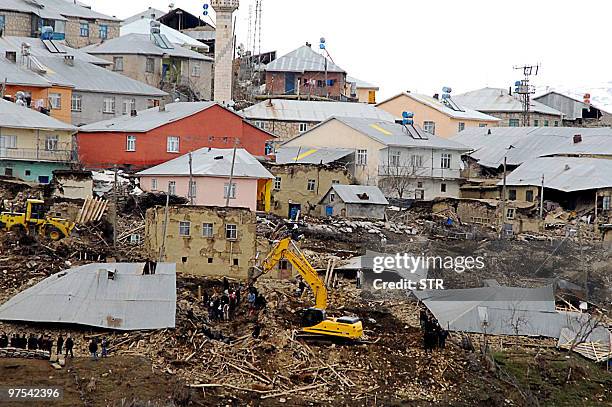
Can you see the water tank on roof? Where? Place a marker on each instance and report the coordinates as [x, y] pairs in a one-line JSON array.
[[407, 115]]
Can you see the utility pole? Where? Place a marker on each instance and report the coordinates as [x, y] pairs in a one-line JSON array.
[[586, 269], [503, 202], [542, 199], [116, 199], [231, 177], [190, 179], [162, 248], [525, 90]]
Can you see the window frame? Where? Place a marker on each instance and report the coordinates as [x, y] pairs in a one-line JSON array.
[[529, 194], [193, 189], [510, 213], [130, 142], [103, 31], [395, 158], [118, 64], [153, 184], [233, 191], [311, 185], [446, 160], [84, 29], [416, 160], [512, 194], [13, 141], [443, 187], [150, 65], [231, 231], [302, 127], [361, 157], [196, 69], [78, 101], [184, 225], [51, 143], [127, 105], [461, 126], [55, 100], [171, 142], [429, 124], [171, 188], [514, 123], [206, 226], [277, 183], [109, 105]]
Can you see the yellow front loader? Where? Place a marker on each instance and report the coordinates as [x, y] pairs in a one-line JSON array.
[[34, 220], [314, 319]]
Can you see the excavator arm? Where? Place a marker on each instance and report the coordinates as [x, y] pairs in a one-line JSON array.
[[287, 249]]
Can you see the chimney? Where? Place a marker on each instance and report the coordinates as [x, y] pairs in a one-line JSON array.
[[69, 60], [436, 96], [509, 91], [11, 56], [162, 105], [309, 45], [577, 138]]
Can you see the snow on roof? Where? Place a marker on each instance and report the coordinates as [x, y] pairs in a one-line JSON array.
[[20, 117], [303, 59], [213, 162], [107, 295], [143, 26]]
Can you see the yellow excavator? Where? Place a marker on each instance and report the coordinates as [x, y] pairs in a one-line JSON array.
[[314, 319], [34, 219]]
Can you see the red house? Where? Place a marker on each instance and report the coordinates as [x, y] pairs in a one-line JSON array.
[[156, 135]]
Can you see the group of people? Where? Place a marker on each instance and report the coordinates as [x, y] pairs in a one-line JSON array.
[[93, 348], [434, 336], [223, 306], [42, 342]]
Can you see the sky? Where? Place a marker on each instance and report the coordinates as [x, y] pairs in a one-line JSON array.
[[424, 45]]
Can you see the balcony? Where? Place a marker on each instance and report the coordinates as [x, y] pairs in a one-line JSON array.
[[36, 154]]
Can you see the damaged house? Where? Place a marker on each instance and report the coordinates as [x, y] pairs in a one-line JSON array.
[[354, 201], [403, 160], [203, 240], [302, 177]]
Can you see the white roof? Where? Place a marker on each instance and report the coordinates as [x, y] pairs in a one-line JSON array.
[[303, 59], [311, 111], [463, 113], [54, 9], [86, 295], [360, 194], [141, 44], [20, 117], [144, 14], [567, 174], [361, 84], [143, 26], [498, 100], [39, 49], [490, 145], [149, 119], [213, 162]]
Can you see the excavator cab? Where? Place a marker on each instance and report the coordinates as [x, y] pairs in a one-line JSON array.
[[313, 316]]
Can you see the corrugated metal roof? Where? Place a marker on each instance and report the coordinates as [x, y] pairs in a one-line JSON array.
[[498, 100], [15, 75], [303, 59], [530, 142], [143, 26], [214, 162], [202, 35], [464, 113], [54, 9], [393, 134], [141, 44], [350, 194], [31, 7], [86, 295], [564, 173], [149, 119], [15, 116], [361, 84], [300, 155], [144, 14], [311, 111], [38, 49]]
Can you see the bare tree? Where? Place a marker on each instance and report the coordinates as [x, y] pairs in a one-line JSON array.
[[398, 176]]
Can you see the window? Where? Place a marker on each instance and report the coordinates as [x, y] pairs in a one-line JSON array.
[[84, 31], [153, 184], [207, 230], [335, 182], [529, 195], [442, 187], [28, 173], [210, 260], [135, 238], [103, 31], [606, 203], [545, 123], [51, 143], [362, 157], [8, 172], [131, 143], [196, 68], [55, 100], [303, 127], [233, 191], [231, 232], [277, 183], [8, 141], [109, 105], [332, 196], [76, 103], [117, 63], [194, 189], [184, 228], [445, 160], [556, 123], [235, 262], [371, 97], [513, 122], [510, 213], [152, 103], [429, 127], [311, 185], [172, 144], [512, 194], [2, 22], [420, 184], [482, 125], [394, 158], [416, 160], [150, 65], [536, 122], [171, 187], [260, 124], [461, 126], [129, 105]]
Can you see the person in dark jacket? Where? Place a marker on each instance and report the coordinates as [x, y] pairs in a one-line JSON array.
[[93, 349], [69, 346], [60, 344], [32, 342]]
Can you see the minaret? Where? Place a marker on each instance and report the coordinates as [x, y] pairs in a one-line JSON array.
[[224, 49]]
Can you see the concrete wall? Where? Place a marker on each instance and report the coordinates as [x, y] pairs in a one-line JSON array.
[[42, 94], [93, 106], [31, 171], [446, 126], [72, 187], [202, 255], [294, 185]]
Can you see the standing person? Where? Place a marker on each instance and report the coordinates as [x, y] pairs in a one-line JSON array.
[[60, 344], [225, 284], [359, 277], [69, 346], [93, 349], [32, 342], [3, 340], [251, 300], [104, 347]]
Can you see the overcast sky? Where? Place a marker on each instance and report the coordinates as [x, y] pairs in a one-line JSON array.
[[424, 45]]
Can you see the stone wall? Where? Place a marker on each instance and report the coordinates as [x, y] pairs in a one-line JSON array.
[[17, 24], [537, 119], [73, 31], [284, 130]]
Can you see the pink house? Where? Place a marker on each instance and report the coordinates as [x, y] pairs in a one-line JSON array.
[[211, 169]]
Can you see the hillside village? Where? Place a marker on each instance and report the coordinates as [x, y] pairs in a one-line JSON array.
[[209, 220]]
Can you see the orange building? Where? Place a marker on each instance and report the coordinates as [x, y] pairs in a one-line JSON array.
[[55, 98]]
